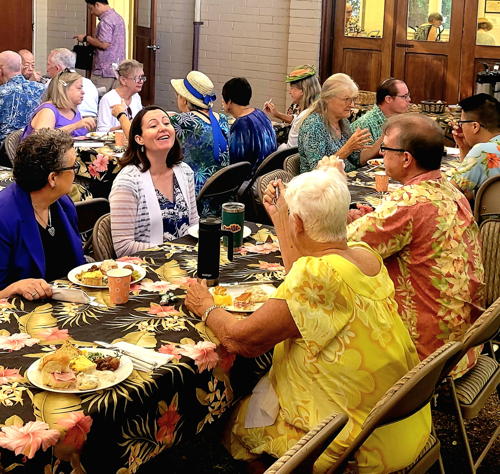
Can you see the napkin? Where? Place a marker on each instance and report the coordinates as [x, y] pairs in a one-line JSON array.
[[263, 406], [148, 355], [71, 295]]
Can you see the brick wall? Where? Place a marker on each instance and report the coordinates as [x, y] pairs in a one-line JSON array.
[[65, 18]]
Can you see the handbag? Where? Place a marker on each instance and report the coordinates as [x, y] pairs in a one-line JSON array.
[[84, 55]]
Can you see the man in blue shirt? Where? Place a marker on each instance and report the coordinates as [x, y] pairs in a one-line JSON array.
[[18, 96]]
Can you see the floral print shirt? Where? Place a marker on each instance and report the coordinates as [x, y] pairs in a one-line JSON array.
[[316, 141], [175, 214], [427, 236], [482, 162]]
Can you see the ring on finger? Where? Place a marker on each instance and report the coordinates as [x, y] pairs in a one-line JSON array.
[[35, 293]]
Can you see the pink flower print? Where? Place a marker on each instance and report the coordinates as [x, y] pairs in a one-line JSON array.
[[226, 358], [27, 439], [162, 311], [270, 266], [167, 424], [100, 164], [171, 350], [135, 260], [16, 341], [9, 375], [203, 353], [93, 172], [77, 426], [158, 286], [53, 334]]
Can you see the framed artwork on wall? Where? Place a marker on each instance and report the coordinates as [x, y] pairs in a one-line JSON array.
[[492, 6]]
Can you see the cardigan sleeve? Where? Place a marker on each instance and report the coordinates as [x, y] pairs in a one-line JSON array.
[[185, 178]]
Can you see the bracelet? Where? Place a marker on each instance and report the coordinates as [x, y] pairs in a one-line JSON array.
[[119, 115], [207, 312], [85, 39]]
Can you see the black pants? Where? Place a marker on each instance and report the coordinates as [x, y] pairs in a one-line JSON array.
[[4, 159]]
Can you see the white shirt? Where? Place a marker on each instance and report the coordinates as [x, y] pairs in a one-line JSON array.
[[105, 119], [88, 107], [293, 136]]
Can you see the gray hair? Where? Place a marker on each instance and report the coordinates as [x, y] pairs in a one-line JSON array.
[[63, 57], [321, 199]]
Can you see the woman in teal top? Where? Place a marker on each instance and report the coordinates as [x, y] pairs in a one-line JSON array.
[[326, 131]]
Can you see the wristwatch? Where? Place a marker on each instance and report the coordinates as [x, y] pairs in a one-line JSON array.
[[119, 115], [84, 39], [207, 312]]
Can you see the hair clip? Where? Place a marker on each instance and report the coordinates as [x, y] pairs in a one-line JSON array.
[[64, 83]]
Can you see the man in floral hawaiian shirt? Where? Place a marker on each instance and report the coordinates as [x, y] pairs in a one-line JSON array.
[[427, 236], [479, 142]]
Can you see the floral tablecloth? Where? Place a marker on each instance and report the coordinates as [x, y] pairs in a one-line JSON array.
[[117, 430], [5, 177]]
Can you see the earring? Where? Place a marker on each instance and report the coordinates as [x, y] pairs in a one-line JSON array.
[[142, 148]]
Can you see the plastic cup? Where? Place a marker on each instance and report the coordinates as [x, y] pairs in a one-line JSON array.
[[381, 182], [119, 284], [233, 219], [119, 138]]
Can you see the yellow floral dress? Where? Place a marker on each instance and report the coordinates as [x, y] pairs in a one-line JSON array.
[[354, 346]]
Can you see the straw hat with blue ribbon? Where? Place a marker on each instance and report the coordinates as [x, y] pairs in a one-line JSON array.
[[196, 88], [199, 90]]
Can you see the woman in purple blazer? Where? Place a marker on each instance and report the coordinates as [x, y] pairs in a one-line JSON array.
[[39, 239]]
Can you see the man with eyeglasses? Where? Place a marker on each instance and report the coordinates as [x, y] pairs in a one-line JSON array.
[[109, 43], [478, 138], [428, 238], [393, 97]]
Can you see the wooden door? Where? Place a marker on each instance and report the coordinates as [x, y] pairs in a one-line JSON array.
[[431, 69], [16, 25], [145, 45], [366, 59]]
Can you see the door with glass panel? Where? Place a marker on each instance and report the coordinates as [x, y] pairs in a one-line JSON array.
[[363, 40], [145, 45], [427, 48]]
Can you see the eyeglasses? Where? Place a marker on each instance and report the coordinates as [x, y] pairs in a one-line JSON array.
[[460, 122], [138, 79], [348, 100], [75, 168], [404, 96], [384, 148]]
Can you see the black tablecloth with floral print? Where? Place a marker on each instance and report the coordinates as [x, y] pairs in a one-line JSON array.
[[120, 428]]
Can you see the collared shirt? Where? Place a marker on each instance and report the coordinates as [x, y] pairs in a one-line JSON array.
[[18, 99], [111, 29], [482, 162], [373, 120], [427, 236]]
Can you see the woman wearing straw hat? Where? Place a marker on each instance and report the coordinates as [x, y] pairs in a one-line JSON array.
[[484, 37], [202, 133]]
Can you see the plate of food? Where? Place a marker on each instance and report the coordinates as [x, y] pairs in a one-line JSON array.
[[379, 162], [242, 298], [93, 275], [106, 136], [193, 231], [73, 370]]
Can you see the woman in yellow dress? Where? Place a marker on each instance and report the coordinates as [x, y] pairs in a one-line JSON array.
[[338, 341]]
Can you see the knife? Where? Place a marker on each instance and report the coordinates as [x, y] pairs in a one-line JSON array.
[[253, 282], [149, 365]]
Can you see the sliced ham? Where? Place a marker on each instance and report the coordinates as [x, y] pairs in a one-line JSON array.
[[64, 376]]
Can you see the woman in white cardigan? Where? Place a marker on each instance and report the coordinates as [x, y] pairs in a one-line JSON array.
[[153, 198]]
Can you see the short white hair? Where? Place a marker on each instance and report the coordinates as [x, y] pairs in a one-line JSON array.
[[321, 199], [63, 57]]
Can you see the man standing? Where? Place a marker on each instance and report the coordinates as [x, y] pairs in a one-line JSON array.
[[28, 66], [18, 96], [62, 58], [427, 236], [109, 43], [478, 139], [393, 98]]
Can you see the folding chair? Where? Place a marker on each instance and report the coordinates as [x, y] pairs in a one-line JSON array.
[[292, 164], [408, 395], [489, 234], [258, 193], [102, 242], [301, 457], [470, 392], [12, 140], [487, 200], [88, 212]]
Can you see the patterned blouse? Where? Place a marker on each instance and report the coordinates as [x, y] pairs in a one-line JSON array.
[[427, 236], [482, 162], [373, 120], [195, 136], [316, 141], [175, 214]]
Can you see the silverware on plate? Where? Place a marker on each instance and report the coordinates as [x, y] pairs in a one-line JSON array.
[[253, 282], [135, 359]]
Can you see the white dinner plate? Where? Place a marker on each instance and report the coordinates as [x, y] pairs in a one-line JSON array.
[[108, 136], [123, 372], [193, 231], [235, 291], [376, 162], [82, 268]]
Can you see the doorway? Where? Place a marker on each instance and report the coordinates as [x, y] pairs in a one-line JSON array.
[[16, 18]]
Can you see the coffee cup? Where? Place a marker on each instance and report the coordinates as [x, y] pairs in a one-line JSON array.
[[119, 284], [381, 182], [119, 138]]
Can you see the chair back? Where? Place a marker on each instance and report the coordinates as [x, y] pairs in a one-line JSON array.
[[274, 161], [11, 142], [489, 233], [301, 457], [408, 395], [102, 241], [487, 200], [259, 188], [484, 328], [292, 164], [88, 212], [225, 182]]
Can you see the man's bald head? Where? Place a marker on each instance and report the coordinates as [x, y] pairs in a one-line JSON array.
[[10, 65]]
